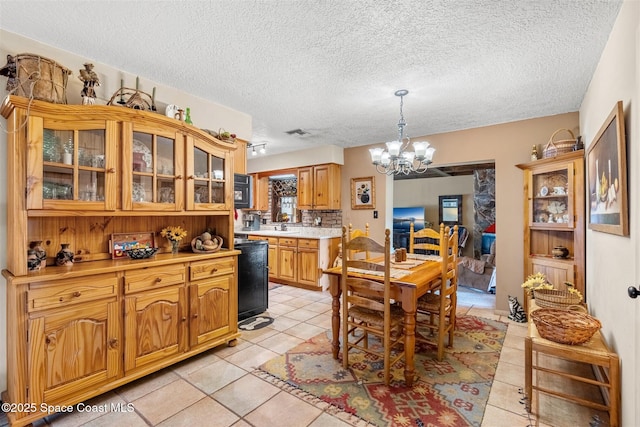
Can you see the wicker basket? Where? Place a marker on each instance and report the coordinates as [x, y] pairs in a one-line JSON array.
[[38, 77], [560, 146], [565, 326], [218, 239], [553, 298]]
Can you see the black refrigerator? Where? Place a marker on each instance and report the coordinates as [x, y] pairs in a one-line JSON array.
[[253, 277]]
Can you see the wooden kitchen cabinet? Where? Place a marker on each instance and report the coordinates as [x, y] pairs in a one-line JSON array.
[[287, 259], [74, 332], [554, 215], [261, 193], [300, 261], [319, 187]]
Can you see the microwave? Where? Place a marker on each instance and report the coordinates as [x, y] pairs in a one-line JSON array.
[[242, 191]]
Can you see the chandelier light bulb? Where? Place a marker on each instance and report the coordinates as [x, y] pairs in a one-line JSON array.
[[263, 149]]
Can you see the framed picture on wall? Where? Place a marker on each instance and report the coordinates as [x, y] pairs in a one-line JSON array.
[[363, 193], [450, 210], [607, 176]]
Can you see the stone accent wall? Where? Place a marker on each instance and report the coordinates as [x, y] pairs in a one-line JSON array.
[[484, 205]]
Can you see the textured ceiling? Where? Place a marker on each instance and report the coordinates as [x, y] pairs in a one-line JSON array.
[[331, 67]]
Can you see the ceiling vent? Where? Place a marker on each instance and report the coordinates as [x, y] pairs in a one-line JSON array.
[[298, 132]]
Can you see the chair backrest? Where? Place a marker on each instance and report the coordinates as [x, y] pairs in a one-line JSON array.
[[353, 233], [362, 292], [426, 239], [449, 254]]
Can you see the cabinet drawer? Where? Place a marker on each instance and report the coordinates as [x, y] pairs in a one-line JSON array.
[[308, 243], [153, 278], [61, 293], [212, 268], [288, 241]]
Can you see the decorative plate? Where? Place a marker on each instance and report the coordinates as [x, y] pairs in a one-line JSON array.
[[140, 148], [138, 192], [556, 207], [141, 253], [544, 191]]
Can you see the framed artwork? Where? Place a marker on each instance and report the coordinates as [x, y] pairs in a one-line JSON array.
[[450, 210], [120, 242], [607, 177], [363, 193]]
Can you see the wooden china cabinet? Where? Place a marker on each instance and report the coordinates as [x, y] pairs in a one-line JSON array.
[[78, 175], [554, 216]]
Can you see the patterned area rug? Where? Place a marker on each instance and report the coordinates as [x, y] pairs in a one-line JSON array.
[[450, 393]]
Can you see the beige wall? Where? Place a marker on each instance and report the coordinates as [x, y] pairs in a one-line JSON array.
[[505, 144], [613, 261]]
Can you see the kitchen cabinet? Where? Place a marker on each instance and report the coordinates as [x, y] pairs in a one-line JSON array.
[[319, 187], [554, 215], [299, 261], [261, 193], [84, 173], [240, 163]]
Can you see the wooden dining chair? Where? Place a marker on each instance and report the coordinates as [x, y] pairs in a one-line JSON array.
[[367, 307], [439, 306], [427, 239], [357, 232]]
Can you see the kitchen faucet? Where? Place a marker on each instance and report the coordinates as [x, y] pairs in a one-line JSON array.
[[283, 227]]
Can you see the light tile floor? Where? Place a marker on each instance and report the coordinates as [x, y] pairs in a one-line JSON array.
[[218, 389]]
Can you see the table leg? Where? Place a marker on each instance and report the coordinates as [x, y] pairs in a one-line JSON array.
[[335, 291], [409, 346], [528, 358]]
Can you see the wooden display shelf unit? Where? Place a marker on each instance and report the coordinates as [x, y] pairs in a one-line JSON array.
[[74, 332]]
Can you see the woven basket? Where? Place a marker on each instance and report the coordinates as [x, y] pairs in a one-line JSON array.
[[200, 251], [565, 326], [553, 298], [560, 146], [38, 77]]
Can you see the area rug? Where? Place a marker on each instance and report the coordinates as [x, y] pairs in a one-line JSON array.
[[450, 393]]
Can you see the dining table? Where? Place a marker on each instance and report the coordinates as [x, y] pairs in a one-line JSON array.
[[410, 280]]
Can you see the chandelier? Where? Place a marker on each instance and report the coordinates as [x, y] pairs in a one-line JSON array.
[[396, 159]]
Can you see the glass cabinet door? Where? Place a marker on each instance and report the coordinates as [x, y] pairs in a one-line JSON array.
[[154, 173], [207, 172], [551, 197], [74, 166]]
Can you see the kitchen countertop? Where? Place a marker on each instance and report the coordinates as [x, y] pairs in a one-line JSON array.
[[297, 232]]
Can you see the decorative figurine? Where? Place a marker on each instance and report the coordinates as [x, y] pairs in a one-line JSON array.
[[91, 80], [40, 253], [10, 70], [534, 153]]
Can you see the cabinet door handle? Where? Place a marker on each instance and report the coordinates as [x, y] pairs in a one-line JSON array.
[[111, 170], [191, 177], [213, 270], [195, 315], [633, 292], [184, 319], [178, 176], [76, 294], [113, 343], [158, 279]]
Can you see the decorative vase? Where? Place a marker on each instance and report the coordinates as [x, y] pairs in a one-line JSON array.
[[560, 252], [33, 263], [40, 252], [175, 244], [65, 255]]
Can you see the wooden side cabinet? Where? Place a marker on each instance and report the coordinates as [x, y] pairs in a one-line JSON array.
[[554, 215]]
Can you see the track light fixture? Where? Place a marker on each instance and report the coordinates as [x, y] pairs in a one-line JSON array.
[[262, 148]]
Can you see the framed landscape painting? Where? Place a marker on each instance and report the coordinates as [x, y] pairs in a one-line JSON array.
[[607, 177]]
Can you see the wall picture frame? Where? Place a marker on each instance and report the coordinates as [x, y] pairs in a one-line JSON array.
[[607, 176], [450, 210], [363, 193]]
